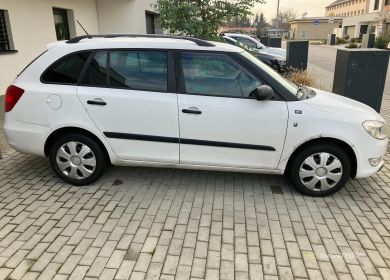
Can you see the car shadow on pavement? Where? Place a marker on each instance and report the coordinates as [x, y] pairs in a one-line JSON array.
[[36, 171]]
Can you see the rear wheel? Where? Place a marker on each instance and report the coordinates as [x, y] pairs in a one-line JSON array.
[[320, 170], [77, 159]]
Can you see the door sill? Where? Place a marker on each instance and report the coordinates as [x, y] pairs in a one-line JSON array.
[[198, 167]]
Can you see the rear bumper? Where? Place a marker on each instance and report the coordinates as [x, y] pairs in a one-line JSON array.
[[25, 137]]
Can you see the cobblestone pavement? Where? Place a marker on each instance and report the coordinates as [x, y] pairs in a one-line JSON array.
[[144, 223]]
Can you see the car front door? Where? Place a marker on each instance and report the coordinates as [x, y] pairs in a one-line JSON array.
[[126, 94], [220, 124]]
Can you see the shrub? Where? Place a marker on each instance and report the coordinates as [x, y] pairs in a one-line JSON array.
[[301, 77], [346, 37], [382, 42], [356, 40], [352, 45], [340, 41]]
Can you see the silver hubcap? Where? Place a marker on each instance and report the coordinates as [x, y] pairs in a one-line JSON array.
[[321, 172], [76, 160]]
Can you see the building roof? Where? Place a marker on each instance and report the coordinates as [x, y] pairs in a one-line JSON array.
[[336, 2], [312, 19]]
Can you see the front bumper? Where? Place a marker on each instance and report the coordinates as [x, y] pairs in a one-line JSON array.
[[366, 151]]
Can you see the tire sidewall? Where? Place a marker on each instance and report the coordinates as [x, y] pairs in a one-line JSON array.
[[99, 155], [320, 148]]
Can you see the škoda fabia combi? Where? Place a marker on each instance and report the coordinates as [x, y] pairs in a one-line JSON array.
[[182, 102]]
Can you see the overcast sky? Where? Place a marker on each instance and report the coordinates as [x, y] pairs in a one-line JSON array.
[[312, 7]]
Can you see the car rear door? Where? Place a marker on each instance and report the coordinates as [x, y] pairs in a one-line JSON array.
[[128, 95], [220, 124]]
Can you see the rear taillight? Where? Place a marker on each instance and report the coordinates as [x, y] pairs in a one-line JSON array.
[[12, 97]]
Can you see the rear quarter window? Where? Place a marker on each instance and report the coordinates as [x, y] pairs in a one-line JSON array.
[[67, 70]]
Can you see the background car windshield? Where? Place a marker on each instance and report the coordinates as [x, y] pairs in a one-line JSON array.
[[290, 86]]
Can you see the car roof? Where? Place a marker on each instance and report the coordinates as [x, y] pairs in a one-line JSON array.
[[122, 42], [237, 35]]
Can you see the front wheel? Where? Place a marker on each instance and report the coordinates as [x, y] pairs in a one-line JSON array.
[[320, 170], [77, 159]]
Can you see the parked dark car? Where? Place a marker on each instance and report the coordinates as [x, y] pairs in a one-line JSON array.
[[276, 62]]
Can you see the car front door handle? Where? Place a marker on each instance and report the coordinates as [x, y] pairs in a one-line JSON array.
[[97, 101], [192, 110]]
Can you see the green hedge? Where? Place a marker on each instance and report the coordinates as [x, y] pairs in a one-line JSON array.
[[382, 41]]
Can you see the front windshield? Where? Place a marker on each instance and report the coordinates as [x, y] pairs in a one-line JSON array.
[[289, 85], [259, 43]]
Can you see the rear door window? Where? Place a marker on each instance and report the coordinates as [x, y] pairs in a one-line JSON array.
[[96, 73], [67, 70], [133, 70], [139, 70]]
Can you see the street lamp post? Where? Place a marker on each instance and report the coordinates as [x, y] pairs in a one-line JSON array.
[[277, 20]]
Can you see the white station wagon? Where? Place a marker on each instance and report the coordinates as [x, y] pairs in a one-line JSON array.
[[182, 102]]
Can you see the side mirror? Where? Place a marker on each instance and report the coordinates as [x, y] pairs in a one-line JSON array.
[[264, 93], [259, 47]]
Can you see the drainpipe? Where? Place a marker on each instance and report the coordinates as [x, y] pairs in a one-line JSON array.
[[277, 19]]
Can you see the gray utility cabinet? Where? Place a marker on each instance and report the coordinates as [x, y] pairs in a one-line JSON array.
[[360, 74], [297, 54], [275, 42], [368, 41], [264, 40]]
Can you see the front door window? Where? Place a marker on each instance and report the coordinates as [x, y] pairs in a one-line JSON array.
[[216, 75]]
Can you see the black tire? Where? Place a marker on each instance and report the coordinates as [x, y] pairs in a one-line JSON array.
[[334, 150], [95, 153]]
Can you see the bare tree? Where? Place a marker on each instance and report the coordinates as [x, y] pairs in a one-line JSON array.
[[384, 20], [285, 16], [384, 17]]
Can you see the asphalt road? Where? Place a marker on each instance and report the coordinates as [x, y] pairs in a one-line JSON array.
[[323, 56]]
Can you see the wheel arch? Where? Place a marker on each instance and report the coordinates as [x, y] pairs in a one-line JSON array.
[[67, 130], [345, 146]]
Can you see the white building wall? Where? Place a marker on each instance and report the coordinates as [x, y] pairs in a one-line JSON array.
[[357, 21], [32, 27], [371, 7], [123, 16]]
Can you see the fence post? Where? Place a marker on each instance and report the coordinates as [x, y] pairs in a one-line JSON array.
[[368, 41], [332, 39]]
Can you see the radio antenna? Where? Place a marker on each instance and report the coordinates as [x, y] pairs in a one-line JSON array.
[[86, 32]]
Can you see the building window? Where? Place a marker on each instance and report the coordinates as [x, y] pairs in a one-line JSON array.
[[376, 5], [5, 33], [61, 24], [387, 2]]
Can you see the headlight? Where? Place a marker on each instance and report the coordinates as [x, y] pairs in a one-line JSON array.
[[376, 129]]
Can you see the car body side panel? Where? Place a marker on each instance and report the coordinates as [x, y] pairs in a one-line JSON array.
[[35, 109], [307, 123]]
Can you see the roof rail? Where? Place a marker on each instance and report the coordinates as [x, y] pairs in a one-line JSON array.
[[199, 42]]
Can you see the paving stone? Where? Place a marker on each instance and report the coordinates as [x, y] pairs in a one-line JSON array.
[[170, 265], [198, 268], [144, 223], [125, 270], [269, 265]]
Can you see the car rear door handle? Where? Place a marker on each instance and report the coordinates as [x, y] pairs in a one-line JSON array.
[[97, 101], [192, 110]]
